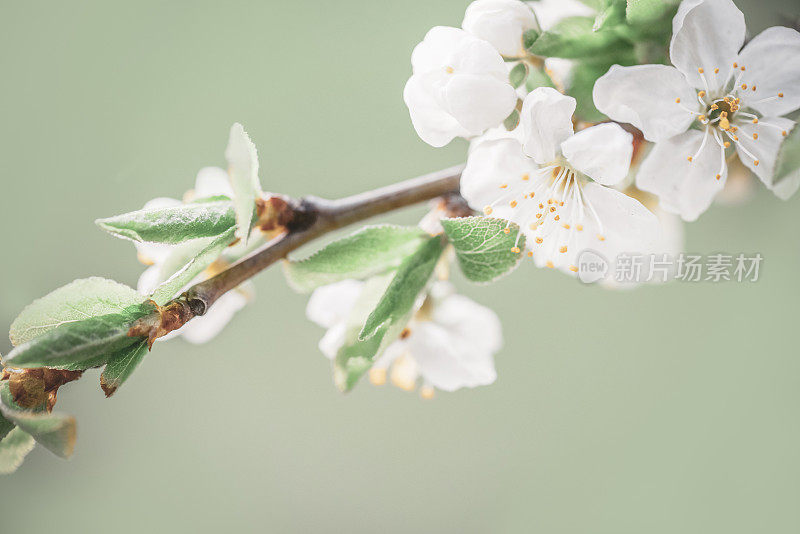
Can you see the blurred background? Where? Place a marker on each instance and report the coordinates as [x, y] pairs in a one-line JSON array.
[[661, 410]]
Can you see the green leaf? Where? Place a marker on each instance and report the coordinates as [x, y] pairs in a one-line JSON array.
[[55, 431], [574, 38], [6, 426], [174, 224], [243, 171], [369, 251], [78, 300], [120, 366], [410, 279], [511, 121], [529, 37], [81, 344], [196, 264], [641, 12], [518, 74], [13, 450], [538, 78], [584, 76], [788, 161], [612, 14], [355, 357], [483, 248]]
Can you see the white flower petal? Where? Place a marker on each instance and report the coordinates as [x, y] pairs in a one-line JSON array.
[[627, 226], [432, 122], [772, 60], [149, 280], [645, 96], [501, 23], [787, 187], [212, 182], [333, 340], [478, 102], [706, 34], [602, 152], [545, 122], [683, 187], [446, 360], [204, 328], [765, 148], [490, 165], [439, 48], [477, 325], [331, 304]]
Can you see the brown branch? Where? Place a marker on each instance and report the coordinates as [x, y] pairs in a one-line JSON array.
[[308, 219]]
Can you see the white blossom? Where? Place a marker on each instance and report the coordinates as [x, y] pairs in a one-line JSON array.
[[449, 343], [554, 184], [500, 22], [459, 86], [736, 99]]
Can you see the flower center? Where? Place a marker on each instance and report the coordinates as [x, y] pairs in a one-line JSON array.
[[552, 206], [721, 114]]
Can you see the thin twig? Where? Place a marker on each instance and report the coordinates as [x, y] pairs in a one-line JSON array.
[[313, 218]]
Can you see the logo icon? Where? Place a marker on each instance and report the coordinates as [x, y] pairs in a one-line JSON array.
[[592, 267]]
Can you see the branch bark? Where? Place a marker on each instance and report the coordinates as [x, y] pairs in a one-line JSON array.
[[311, 217]]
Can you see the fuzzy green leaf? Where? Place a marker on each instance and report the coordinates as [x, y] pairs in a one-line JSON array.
[[483, 248], [78, 300], [641, 12], [243, 171], [195, 264], [174, 224], [120, 366], [574, 38], [369, 251], [55, 431], [14, 447], [410, 279], [518, 74], [81, 344], [612, 14], [355, 357], [788, 161]]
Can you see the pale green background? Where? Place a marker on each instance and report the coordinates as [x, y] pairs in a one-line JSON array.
[[664, 410]]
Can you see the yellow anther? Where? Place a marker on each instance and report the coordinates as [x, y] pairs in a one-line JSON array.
[[735, 66], [427, 392], [689, 158], [726, 144], [780, 95], [677, 100], [579, 227], [742, 68], [724, 123], [515, 250], [701, 118], [566, 226], [562, 250], [552, 209], [783, 133], [506, 231], [701, 94], [532, 194], [513, 203], [449, 70], [539, 240], [530, 254], [719, 176], [755, 121], [549, 264], [377, 376], [526, 177], [700, 70], [744, 86], [487, 210], [533, 226], [503, 186], [753, 88], [541, 206], [557, 217], [550, 201], [538, 215], [573, 268], [601, 237], [756, 162], [755, 136], [716, 71]]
